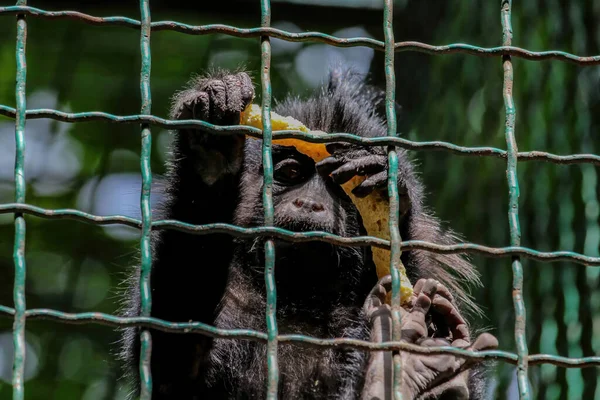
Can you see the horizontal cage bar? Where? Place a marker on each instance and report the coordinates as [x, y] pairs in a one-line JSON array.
[[238, 231], [302, 340], [522, 359], [286, 134], [309, 36]]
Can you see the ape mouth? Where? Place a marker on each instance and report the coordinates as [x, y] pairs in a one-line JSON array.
[[296, 261]]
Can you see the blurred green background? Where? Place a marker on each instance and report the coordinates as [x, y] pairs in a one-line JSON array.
[[95, 166]]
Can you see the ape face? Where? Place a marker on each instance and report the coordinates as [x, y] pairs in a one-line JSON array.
[[304, 200]]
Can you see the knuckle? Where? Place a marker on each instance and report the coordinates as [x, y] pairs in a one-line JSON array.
[[432, 282], [214, 87], [243, 76]]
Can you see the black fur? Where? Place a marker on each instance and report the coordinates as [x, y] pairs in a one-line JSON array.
[[218, 280]]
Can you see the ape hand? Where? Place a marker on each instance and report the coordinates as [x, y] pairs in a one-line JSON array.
[[432, 320], [218, 100], [348, 160]]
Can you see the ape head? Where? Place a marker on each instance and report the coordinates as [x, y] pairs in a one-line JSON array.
[[304, 200]]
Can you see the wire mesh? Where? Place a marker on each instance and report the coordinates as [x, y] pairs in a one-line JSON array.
[[20, 313]]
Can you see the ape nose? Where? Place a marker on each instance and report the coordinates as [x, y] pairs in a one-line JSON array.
[[308, 205]]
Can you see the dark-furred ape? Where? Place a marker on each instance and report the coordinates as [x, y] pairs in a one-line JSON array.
[[323, 290]]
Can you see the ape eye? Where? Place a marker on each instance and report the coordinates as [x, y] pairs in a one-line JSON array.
[[289, 171]]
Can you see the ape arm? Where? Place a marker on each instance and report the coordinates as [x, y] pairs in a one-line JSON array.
[[189, 272], [203, 188]]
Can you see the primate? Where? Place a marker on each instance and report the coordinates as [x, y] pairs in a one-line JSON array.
[[323, 290]]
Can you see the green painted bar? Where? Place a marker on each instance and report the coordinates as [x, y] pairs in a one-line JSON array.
[[236, 231], [513, 205], [20, 189], [395, 239], [19, 313], [146, 210], [285, 134], [204, 329], [267, 137], [453, 48]]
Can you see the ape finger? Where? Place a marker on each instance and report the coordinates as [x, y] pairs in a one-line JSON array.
[[452, 318], [217, 92], [414, 324], [335, 147], [360, 166], [421, 305], [386, 282], [374, 299], [445, 292], [485, 341], [233, 93], [329, 164], [370, 184], [200, 107], [420, 285], [247, 89], [433, 342]]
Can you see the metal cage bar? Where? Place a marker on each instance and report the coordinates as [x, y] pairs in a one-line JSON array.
[[267, 198], [453, 48], [20, 189], [395, 239], [272, 339], [285, 134], [513, 204], [146, 210], [241, 232]]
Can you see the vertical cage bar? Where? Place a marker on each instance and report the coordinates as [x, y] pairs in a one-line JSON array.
[[513, 211], [20, 188], [146, 250], [395, 252], [271, 290]]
